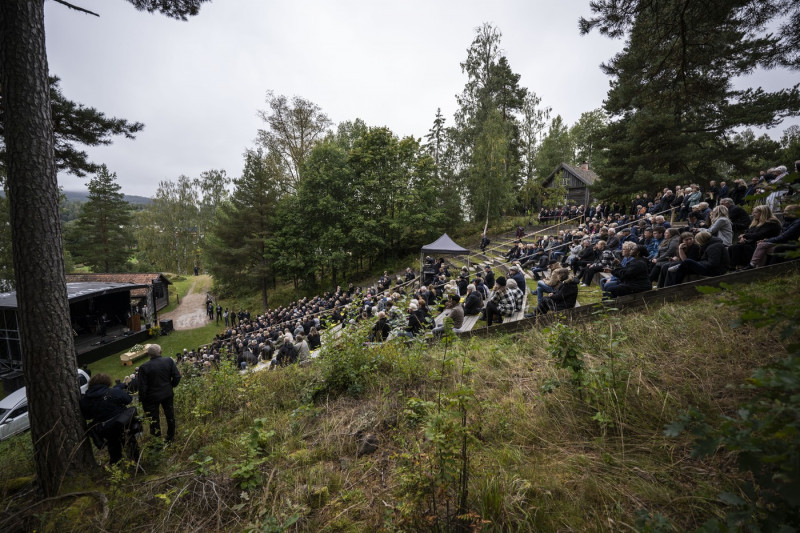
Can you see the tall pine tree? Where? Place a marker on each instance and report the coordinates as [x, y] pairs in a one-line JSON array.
[[57, 428], [487, 133], [102, 235], [673, 104], [235, 249]]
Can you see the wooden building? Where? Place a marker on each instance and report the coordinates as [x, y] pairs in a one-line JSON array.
[[577, 180]]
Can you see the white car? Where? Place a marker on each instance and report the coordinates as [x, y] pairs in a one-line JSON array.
[[14, 409]]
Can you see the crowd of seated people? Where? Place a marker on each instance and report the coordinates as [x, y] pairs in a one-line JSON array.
[[718, 237], [634, 249], [288, 334]]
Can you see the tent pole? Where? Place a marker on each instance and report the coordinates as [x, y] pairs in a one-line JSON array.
[[420, 267]]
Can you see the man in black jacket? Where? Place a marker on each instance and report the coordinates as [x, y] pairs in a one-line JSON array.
[[739, 218], [157, 378], [488, 277]]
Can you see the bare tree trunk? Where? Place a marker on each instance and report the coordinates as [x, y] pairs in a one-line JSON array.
[[264, 294], [50, 367]]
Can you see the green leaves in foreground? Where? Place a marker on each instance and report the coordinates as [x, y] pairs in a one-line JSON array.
[[765, 431]]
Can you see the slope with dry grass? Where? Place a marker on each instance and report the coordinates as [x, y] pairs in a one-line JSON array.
[[496, 434]]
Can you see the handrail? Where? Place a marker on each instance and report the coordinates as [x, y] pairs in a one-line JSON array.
[[618, 228]]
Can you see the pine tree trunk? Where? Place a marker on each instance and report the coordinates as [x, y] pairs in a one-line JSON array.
[[50, 367]]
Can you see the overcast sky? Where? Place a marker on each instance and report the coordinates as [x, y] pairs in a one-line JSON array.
[[197, 85]]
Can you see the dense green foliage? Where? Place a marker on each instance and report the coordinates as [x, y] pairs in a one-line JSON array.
[[675, 109], [102, 234], [236, 245]]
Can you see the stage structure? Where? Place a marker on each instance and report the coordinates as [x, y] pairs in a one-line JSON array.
[[151, 297], [104, 319]]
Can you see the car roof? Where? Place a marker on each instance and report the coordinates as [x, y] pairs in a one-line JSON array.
[[13, 399]]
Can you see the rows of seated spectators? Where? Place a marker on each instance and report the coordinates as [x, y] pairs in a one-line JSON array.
[[682, 198], [629, 250], [633, 252], [288, 334]]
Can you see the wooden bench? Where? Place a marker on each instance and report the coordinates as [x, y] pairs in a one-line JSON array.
[[600, 276], [469, 322]]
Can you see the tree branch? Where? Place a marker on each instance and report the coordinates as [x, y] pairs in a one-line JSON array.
[[76, 8]]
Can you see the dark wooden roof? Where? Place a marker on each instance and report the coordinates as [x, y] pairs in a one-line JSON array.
[[586, 176], [138, 278], [80, 290]]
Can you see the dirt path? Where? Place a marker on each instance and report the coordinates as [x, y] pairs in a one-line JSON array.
[[191, 313]]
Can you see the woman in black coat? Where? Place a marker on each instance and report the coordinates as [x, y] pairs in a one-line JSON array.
[[633, 277], [314, 340], [102, 406], [474, 302], [739, 191], [714, 260], [764, 226]]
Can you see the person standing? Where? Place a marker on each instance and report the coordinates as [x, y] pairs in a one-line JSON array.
[[157, 379]]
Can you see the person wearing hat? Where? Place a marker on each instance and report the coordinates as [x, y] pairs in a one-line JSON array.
[[488, 277], [157, 379]]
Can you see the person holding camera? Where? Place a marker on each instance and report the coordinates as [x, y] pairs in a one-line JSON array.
[[110, 420]]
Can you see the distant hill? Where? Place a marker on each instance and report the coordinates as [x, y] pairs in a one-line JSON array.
[[83, 196]]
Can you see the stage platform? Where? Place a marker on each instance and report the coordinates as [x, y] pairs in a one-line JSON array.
[[91, 348]]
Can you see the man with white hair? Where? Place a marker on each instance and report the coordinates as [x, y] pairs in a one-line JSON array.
[[157, 379]]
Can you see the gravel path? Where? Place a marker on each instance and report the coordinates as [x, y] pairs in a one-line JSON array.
[[191, 313]]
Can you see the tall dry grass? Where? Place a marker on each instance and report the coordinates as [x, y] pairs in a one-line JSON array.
[[538, 460]]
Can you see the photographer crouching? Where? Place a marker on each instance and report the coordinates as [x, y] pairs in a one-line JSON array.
[[110, 420]]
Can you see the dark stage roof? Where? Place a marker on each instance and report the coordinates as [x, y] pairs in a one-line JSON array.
[[76, 291]]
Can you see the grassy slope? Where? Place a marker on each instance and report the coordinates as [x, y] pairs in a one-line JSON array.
[[256, 451]]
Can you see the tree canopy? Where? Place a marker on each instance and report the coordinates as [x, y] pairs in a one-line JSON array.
[[76, 125], [58, 434], [673, 105], [102, 235]]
